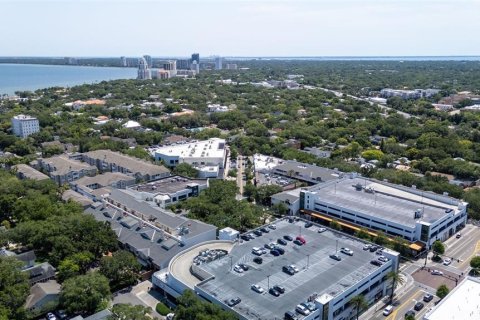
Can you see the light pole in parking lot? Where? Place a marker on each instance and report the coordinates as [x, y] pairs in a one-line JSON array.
[[231, 262], [308, 260], [268, 282]]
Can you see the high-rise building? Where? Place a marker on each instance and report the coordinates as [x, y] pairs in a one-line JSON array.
[[171, 67], [143, 69], [195, 57], [218, 63], [23, 125], [149, 60], [183, 64], [231, 66], [123, 61], [195, 66]]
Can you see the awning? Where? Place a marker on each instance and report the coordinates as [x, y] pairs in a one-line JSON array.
[[417, 246]]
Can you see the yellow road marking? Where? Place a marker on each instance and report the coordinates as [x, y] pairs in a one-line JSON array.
[[409, 300], [475, 251]]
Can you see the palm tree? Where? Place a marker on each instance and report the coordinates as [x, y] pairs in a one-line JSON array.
[[397, 279], [359, 303]]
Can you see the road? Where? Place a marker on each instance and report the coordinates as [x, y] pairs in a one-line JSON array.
[[340, 94], [414, 289], [240, 175]]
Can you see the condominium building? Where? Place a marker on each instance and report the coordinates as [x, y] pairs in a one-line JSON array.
[[24, 125], [61, 169], [144, 71], [107, 160]]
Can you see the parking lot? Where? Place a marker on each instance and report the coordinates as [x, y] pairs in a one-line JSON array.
[[425, 276]]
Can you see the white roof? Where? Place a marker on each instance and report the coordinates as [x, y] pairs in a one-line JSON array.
[[211, 148], [463, 303], [131, 124]]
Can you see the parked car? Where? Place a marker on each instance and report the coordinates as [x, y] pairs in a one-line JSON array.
[[274, 292], [257, 288], [295, 268], [244, 266], [410, 313], [289, 315], [376, 263], [170, 316], [458, 236], [346, 251], [282, 242], [388, 310], [302, 310], [233, 302], [320, 230], [335, 256], [250, 236], [245, 237], [274, 253], [288, 270], [366, 247], [427, 297], [308, 224], [272, 226], [287, 237], [238, 269], [418, 306], [436, 272], [279, 288], [258, 260], [310, 306], [61, 314], [301, 239], [447, 261], [280, 250], [373, 248], [257, 251], [298, 242], [383, 259], [51, 316], [269, 246], [264, 230], [258, 233]]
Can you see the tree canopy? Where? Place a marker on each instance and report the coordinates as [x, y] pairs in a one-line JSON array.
[[14, 288]]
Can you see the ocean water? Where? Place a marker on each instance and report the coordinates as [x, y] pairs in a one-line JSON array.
[[22, 77]]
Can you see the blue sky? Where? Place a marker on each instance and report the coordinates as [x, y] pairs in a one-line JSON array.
[[239, 27]]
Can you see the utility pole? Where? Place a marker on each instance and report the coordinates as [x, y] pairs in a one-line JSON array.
[[268, 282], [308, 260]]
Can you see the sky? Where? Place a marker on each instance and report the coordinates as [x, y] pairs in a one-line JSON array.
[[178, 28]]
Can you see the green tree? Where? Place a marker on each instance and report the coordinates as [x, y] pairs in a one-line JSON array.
[[396, 279], [381, 238], [475, 264], [359, 303], [85, 294], [409, 317], [14, 288], [362, 234], [122, 311], [372, 154], [442, 291], [335, 225], [185, 170], [280, 209], [67, 269], [121, 269], [191, 308], [438, 248]]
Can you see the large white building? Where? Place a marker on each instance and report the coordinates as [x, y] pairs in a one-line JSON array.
[[462, 303], [418, 216], [327, 285], [143, 72], [23, 125], [209, 154]]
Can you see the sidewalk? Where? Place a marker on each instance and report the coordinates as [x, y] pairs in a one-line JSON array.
[[141, 294]]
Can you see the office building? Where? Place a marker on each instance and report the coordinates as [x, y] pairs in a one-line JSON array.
[[62, 170], [218, 63], [171, 67], [143, 72], [195, 66], [326, 285], [199, 154], [232, 66], [309, 173], [418, 216], [153, 235], [167, 191], [409, 94], [23, 125], [462, 303], [123, 61], [195, 57], [183, 64], [107, 160]]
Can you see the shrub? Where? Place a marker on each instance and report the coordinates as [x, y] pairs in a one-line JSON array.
[[162, 309]]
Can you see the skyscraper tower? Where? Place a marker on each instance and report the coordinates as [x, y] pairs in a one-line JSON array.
[[195, 67], [149, 60], [195, 57], [218, 63], [143, 70]]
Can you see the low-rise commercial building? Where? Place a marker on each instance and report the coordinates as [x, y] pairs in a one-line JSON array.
[[62, 170], [117, 180], [326, 284], [415, 215], [107, 160], [309, 173]]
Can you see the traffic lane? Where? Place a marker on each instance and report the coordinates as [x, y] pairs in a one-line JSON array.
[[406, 304], [465, 245], [400, 299]]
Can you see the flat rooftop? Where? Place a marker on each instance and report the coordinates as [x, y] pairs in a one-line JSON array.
[[263, 162], [323, 275], [385, 202], [104, 180], [63, 165], [29, 172], [300, 170], [211, 148], [168, 185], [463, 303]]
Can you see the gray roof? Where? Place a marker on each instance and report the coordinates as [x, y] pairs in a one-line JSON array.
[[29, 172], [77, 197], [318, 152], [290, 195], [131, 163], [26, 256], [307, 172], [101, 315], [40, 290], [40, 272], [63, 165], [104, 180], [324, 275], [168, 185]]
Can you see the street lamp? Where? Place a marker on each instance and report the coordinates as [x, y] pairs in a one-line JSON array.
[[308, 260], [268, 282], [231, 262]]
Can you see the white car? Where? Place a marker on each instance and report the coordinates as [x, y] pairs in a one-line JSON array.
[[346, 251], [388, 310], [272, 226], [170, 316], [257, 288], [383, 259], [320, 230], [302, 310], [447, 261], [436, 272], [366, 247], [238, 269], [294, 267], [51, 316]]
